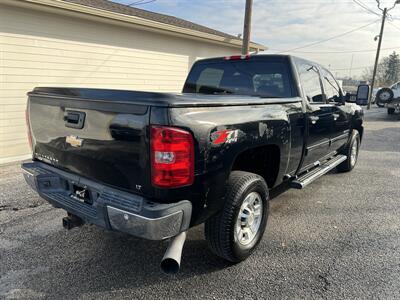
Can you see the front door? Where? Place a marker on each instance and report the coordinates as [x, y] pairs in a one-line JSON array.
[[319, 116]]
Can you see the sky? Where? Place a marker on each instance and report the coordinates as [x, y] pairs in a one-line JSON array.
[[283, 25]]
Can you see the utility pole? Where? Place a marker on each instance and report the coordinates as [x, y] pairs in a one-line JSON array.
[[378, 51], [247, 27], [351, 65], [385, 12]]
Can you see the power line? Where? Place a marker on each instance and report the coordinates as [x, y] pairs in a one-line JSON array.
[[387, 9], [379, 4], [393, 25], [331, 38], [356, 68], [365, 7], [344, 51], [141, 2]]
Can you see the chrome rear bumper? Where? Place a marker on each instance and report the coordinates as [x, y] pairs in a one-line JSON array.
[[108, 207], [150, 228]]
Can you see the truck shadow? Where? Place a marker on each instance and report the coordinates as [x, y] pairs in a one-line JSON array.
[[146, 255], [93, 260]]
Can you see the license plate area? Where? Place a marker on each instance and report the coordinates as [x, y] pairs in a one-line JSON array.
[[81, 194]]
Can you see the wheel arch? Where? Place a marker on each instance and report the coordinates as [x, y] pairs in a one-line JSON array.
[[359, 127], [262, 160]]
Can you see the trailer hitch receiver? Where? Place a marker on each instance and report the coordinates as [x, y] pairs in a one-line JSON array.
[[71, 221]]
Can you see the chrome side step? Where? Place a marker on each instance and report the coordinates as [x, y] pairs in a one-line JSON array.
[[305, 179]]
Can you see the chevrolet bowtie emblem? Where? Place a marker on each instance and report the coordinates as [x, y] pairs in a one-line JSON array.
[[74, 141]]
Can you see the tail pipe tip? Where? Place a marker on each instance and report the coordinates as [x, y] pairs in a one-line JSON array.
[[171, 262]]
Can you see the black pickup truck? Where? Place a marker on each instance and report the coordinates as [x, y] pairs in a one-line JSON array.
[[154, 165]]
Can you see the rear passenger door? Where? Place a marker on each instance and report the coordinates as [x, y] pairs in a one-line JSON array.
[[318, 115]]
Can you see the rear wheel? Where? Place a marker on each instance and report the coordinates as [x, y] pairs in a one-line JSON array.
[[235, 232], [391, 111], [384, 95], [351, 151]]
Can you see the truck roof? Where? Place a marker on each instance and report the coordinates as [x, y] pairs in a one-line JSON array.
[[260, 56]]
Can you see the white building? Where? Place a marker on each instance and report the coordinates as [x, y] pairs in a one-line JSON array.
[[92, 43]]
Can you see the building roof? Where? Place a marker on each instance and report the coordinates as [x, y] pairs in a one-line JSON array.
[[141, 13], [111, 11]]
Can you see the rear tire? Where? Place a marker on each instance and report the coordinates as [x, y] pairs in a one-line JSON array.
[[234, 233], [351, 151], [391, 111], [384, 95]]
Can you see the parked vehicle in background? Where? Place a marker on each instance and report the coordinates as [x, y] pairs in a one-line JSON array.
[[155, 164], [389, 97], [393, 107], [374, 100]]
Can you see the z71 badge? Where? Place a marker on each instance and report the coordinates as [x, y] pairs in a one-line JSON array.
[[224, 137]]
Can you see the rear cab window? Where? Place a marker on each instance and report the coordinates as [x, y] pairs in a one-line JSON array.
[[257, 76]]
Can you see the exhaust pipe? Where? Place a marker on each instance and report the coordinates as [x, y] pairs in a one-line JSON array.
[[171, 262]]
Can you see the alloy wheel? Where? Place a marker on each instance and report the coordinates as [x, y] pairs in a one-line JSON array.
[[249, 219]]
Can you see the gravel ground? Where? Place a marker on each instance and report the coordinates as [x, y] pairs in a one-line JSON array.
[[338, 238]]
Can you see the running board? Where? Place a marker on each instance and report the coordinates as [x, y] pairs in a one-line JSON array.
[[305, 179]]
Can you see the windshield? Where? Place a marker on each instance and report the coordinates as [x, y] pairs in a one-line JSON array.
[[242, 77]]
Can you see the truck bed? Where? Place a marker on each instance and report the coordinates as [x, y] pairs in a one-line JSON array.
[[152, 98]]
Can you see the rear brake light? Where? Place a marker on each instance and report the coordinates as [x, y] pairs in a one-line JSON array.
[[172, 157], [28, 127], [237, 57]]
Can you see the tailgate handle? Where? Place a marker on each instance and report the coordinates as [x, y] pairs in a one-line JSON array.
[[74, 119]]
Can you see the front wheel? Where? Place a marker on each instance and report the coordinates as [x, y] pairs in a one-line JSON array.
[[351, 151], [235, 232], [391, 111]]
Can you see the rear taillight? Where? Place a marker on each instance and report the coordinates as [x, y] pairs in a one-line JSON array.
[[172, 157], [28, 128]]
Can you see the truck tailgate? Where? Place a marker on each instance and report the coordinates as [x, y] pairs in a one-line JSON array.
[[102, 140]]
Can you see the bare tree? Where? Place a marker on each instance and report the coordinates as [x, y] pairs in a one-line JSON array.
[[388, 71]]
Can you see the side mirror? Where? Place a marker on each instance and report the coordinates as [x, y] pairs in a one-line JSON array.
[[362, 95]]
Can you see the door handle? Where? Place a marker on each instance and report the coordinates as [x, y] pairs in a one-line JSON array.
[[336, 116], [314, 119]]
